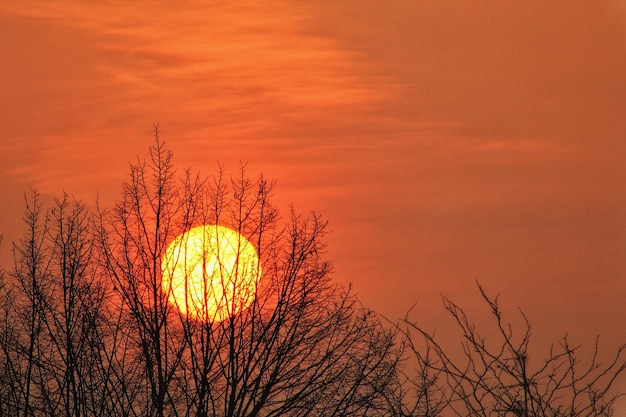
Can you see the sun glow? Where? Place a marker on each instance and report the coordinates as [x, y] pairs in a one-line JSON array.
[[210, 273]]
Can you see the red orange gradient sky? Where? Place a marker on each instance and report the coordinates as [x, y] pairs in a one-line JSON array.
[[444, 141]]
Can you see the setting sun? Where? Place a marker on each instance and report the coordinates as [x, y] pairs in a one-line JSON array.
[[210, 273]]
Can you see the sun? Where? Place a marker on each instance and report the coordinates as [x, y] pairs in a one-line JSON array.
[[210, 273]]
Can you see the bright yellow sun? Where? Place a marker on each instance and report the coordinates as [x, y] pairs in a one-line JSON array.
[[210, 273]]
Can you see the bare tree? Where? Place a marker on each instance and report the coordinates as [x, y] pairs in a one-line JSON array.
[[59, 340], [497, 378], [133, 237], [304, 346], [73, 312], [23, 341]]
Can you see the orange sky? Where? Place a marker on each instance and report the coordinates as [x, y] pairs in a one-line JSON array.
[[444, 141]]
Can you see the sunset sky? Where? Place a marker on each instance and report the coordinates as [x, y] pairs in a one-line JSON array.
[[444, 141]]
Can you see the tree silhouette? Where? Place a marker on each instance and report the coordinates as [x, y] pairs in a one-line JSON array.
[[88, 328], [304, 347], [495, 377], [52, 316]]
